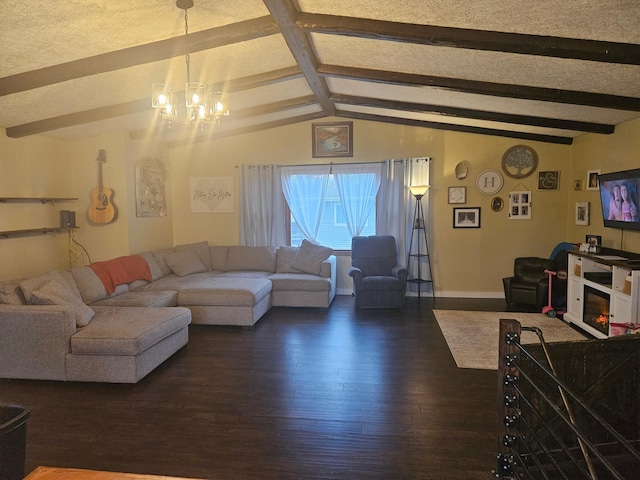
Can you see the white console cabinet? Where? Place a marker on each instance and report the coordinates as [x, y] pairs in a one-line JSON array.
[[603, 290]]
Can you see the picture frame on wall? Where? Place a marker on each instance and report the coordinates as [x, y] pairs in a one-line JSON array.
[[466, 217], [582, 213], [520, 205], [593, 182], [549, 180], [332, 139]]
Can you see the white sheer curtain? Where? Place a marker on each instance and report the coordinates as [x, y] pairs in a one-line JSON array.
[[396, 204], [359, 184], [304, 189], [262, 212]]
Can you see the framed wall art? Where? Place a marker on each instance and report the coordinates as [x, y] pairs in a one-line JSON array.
[[519, 161], [211, 194], [548, 180], [466, 217], [457, 195], [582, 213], [333, 139], [593, 182], [497, 204], [520, 205], [151, 179]]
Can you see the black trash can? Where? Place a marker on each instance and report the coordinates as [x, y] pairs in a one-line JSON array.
[[13, 441]]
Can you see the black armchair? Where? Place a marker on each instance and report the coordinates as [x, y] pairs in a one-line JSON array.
[[529, 284], [378, 280]]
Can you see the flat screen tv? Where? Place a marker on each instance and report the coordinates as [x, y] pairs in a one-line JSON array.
[[619, 194]]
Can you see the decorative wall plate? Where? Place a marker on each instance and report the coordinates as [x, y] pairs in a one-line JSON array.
[[519, 161], [489, 182]]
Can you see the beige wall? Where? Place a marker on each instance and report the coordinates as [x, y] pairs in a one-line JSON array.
[[466, 262], [609, 153], [33, 167]]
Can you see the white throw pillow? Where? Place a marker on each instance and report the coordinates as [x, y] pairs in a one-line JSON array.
[[310, 257]]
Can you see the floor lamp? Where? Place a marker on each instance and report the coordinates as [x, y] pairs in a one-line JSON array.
[[419, 230]]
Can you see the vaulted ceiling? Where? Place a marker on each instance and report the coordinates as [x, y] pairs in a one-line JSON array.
[[546, 70]]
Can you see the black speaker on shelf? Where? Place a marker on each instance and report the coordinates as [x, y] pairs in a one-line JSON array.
[[67, 219]]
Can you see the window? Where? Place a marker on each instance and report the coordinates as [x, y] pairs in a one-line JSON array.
[[333, 226]]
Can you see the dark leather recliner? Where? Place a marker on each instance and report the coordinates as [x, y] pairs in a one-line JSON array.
[[529, 284], [378, 280]]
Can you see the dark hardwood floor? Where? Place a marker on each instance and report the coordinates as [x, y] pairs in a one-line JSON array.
[[306, 393]]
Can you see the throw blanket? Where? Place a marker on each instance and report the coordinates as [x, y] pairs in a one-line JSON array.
[[122, 270]]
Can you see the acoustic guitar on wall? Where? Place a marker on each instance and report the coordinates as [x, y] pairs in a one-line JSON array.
[[102, 210]]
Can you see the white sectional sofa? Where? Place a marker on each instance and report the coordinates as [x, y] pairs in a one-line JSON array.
[[68, 326]]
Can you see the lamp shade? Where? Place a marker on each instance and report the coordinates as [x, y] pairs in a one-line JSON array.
[[418, 189]]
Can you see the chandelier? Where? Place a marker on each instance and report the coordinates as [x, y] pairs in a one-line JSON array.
[[202, 104]]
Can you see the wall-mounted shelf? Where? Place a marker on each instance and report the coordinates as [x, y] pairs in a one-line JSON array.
[[43, 200], [32, 232]]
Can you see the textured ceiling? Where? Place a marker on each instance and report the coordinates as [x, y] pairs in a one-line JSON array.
[[547, 71]]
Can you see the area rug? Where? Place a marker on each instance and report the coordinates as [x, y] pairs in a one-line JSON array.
[[472, 337]]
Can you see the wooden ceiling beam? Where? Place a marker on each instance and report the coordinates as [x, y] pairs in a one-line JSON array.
[[457, 112], [559, 47], [485, 88], [456, 128], [249, 112], [141, 105], [245, 130], [141, 54], [285, 13]]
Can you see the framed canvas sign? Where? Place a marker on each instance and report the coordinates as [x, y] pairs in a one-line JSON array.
[[211, 194], [466, 217], [549, 180], [333, 139], [151, 179]]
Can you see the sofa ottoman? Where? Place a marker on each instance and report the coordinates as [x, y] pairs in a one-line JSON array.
[[238, 301], [122, 345]]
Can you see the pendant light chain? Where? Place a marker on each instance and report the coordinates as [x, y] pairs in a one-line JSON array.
[[186, 34]]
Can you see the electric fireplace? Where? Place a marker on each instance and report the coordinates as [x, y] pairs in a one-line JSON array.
[[596, 309]]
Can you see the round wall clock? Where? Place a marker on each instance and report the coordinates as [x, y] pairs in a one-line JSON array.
[[519, 161], [489, 182]]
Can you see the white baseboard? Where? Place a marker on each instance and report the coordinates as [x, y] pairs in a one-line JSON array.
[[345, 291]]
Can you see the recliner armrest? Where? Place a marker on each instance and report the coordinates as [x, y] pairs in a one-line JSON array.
[[400, 272], [355, 273]]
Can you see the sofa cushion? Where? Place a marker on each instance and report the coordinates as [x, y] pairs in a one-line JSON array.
[[128, 331], [53, 288], [185, 263], [229, 291], [57, 292], [284, 258], [310, 256], [241, 257], [141, 299], [11, 294], [156, 271], [158, 255], [89, 284], [201, 249], [219, 257]]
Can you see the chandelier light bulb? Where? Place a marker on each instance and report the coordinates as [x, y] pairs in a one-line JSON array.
[[198, 98]]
